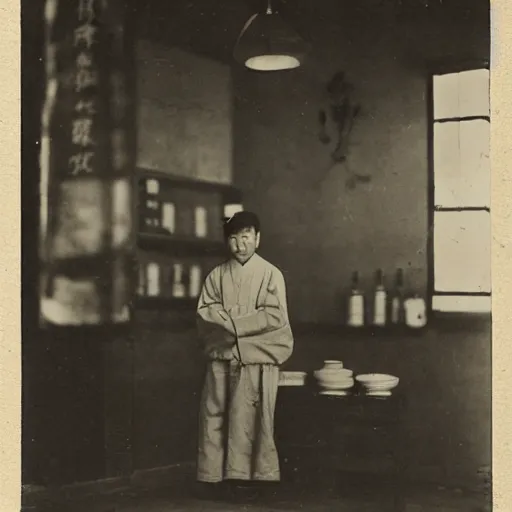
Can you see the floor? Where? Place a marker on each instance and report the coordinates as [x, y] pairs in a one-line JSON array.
[[363, 499]]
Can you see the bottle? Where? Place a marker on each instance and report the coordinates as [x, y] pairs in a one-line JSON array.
[[169, 217], [178, 288], [397, 302], [153, 279], [415, 312], [355, 304], [380, 301], [152, 187]]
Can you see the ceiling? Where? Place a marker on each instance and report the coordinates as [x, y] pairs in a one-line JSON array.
[[210, 27]]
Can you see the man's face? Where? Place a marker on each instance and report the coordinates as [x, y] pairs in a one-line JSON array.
[[243, 244]]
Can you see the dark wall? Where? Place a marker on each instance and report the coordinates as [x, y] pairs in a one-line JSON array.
[[168, 381], [314, 227]]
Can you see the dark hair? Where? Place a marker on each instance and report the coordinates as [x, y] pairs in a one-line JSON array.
[[239, 221]]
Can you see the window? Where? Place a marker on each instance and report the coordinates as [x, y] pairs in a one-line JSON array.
[[460, 199]]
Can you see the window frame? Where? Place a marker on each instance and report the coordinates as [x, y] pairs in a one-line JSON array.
[[436, 70]]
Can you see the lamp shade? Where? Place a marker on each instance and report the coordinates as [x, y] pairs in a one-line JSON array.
[[267, 43]]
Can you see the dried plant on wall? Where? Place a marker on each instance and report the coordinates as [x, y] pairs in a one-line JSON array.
[[340, 115]]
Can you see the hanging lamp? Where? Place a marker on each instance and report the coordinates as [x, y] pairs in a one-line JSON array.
[[267, 43]]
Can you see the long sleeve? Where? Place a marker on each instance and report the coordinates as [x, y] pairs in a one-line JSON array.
[[271, 313], [215, 326], [265, 336]]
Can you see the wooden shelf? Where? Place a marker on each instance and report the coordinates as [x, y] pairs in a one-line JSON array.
[[181, 246], [166, 303], [231, 192], [167, 249]]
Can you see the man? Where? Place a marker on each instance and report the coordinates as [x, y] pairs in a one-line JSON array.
[[243, 324]]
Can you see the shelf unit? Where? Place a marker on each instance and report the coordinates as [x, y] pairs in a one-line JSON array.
[[180, 237]]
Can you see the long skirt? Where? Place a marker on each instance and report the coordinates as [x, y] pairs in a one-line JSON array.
[[236, 423]]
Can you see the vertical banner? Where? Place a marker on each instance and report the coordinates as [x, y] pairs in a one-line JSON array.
[[87, 163]]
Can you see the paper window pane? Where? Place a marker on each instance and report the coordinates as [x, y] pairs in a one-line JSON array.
[[462, 251], [461, 164], [446, 164], [475, 184], [462, 304], [474, 93], [464, 94], [446, 96]]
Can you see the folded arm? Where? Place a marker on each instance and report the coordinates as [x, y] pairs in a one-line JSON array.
[[215, 326], [271, 313], [265, 336]]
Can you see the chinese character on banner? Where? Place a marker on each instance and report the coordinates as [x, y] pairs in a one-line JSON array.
[[83, 60], [81, 163], [85, 78], [84, 34], [86, 10], [81, 134], [87, 219], [85, 107]]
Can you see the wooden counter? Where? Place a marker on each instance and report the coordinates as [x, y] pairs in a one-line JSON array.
[[332, 442]]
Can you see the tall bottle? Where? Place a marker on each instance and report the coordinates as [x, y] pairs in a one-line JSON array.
[[380, 300], [355, 304], [397, 302], [178, 287]]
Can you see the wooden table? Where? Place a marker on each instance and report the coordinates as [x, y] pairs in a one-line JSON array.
[[332, 441]]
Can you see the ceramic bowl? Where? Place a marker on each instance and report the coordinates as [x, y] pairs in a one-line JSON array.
[[327, 373], [336, 385], [332, 364], [377, 381]]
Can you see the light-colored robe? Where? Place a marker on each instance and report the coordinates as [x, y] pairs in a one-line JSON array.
[[244, 326]]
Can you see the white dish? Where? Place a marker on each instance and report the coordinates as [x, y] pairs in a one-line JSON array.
[[338, 382], [375, 378], [328, 373], [337, 385], [333, 364], [334, 376], [377, 381], [332, 392], [378, 393], [383, 387], [287, 378]]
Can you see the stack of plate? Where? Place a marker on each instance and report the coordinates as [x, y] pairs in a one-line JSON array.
[[378, 384], [334, 381]]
